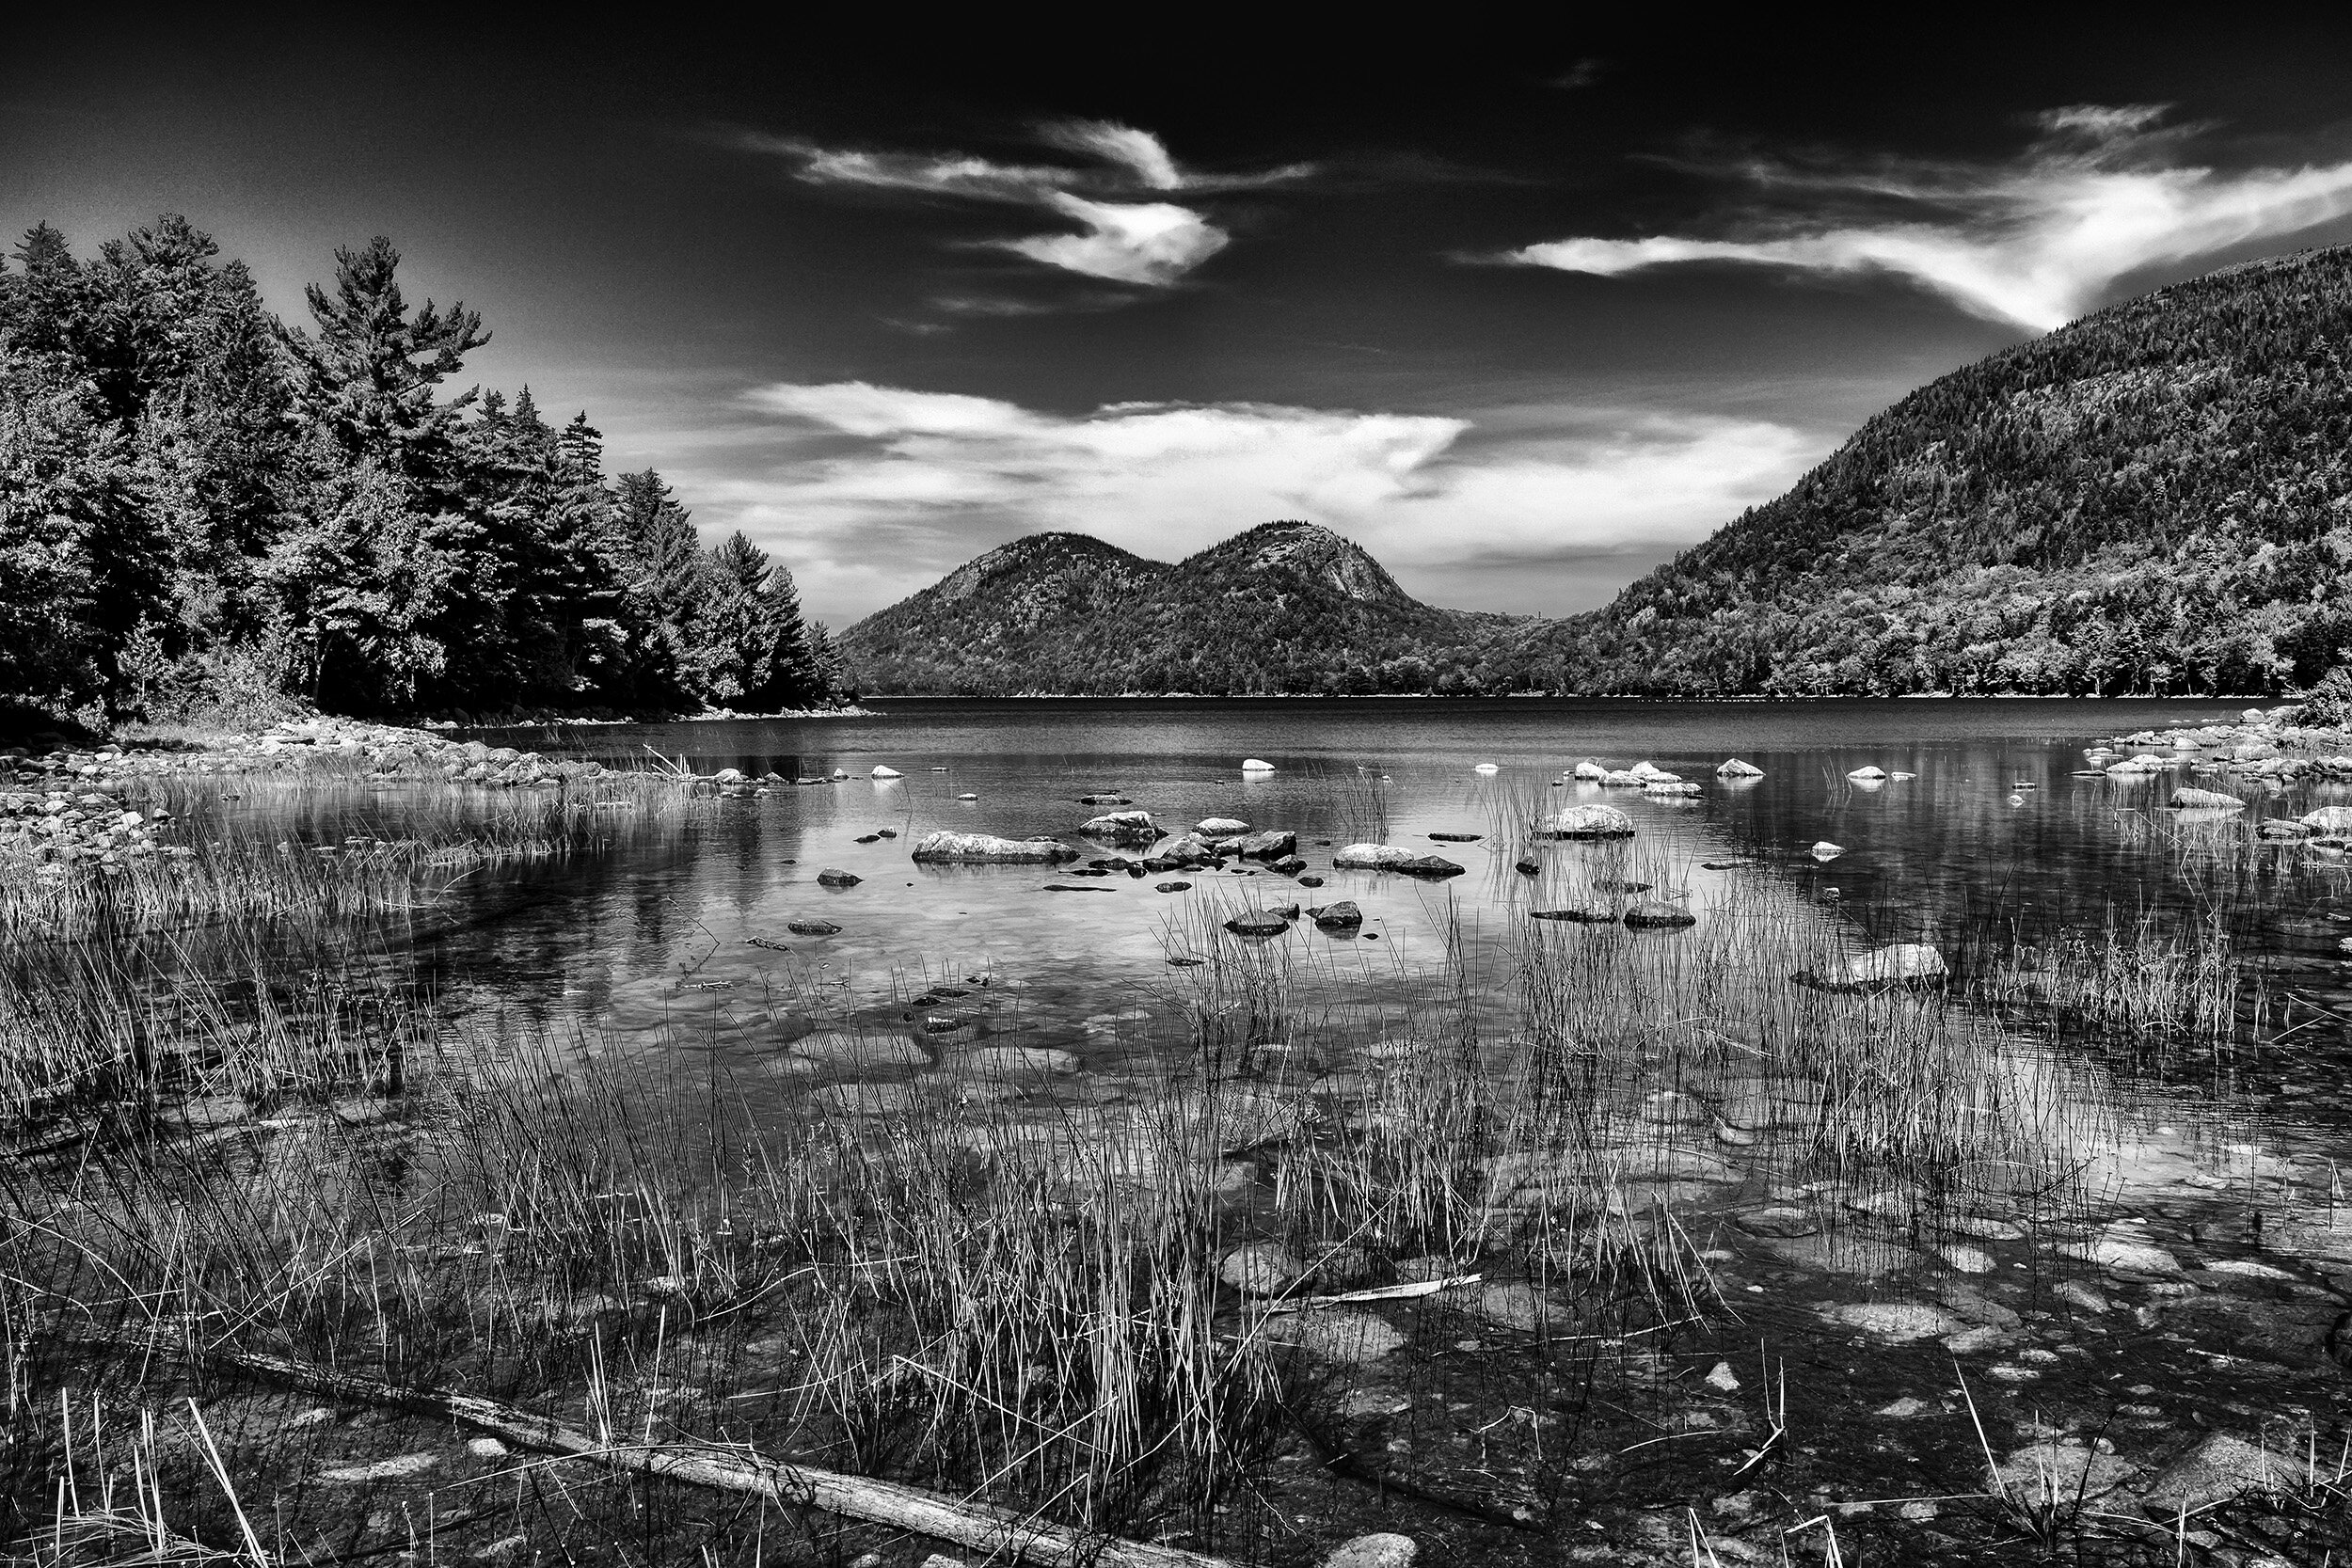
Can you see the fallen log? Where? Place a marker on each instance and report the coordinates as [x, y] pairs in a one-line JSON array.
[[979, 1525]]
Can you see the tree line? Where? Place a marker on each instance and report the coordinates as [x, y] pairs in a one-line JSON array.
[[204, 510]]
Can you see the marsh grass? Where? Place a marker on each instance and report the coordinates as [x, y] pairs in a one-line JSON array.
[[314, 850], [1010, 1298]]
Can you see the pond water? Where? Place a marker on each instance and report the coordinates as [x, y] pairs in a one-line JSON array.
[[2125, 1221]]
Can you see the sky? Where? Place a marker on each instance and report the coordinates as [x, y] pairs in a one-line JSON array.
[[1523, 312]]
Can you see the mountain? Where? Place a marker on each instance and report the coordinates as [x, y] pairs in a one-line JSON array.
[[2156, 498], [1285, 607]]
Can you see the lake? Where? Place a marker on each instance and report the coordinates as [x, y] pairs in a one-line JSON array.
[[1723, 1230]]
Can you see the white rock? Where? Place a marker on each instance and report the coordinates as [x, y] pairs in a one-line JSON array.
[[1220, 826], [1591, 772], [1481, 768], [1825, 851], [1869, 773], [1374, 1551], [1722, 1377], [1902, 963], [1255, 765], [1734, 769], [1591, 822], [2329, 819], [881, 773]]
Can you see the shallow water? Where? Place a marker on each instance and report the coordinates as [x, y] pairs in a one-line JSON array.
[[2222, 1152]]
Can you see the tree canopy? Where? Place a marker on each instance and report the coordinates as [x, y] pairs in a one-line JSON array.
[[202, 506]]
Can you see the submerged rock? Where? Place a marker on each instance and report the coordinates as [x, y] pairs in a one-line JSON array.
[[1330, 1334], [986, 849], [1587, 914], [862, 1050], [1261, 1268], [1374, 1551], [1906, 963], [812, 928], [2215, 1470], [2205, 799], [1014, 1062], [1898, 1322], [1651, 915]]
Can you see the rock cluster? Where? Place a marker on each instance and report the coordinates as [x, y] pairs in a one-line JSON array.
[[376, 750]]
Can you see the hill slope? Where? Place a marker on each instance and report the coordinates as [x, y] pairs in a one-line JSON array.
[[1285, 607], [2157, 496]]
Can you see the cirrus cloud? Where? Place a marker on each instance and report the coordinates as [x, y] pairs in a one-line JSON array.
[[887, 488], [2102, 192], [1150, 243]]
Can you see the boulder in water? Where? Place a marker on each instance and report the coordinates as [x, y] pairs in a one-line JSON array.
[[1258, 923], [2207, 799], [2329, 819], [1220, 826], [1669, 787], [1256, 765], [832, 877], [1825, 851], [1869, 773], [881, 773], [1271, 844], [812, 928], [1906, 963], [1342, 915], [1589, 772], [988, 850], [1733, 767], [1589, 822], [1124, 827], [1389, 856], [1655, 915]]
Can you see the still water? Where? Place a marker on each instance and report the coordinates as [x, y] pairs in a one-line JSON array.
[[2190, 1277]]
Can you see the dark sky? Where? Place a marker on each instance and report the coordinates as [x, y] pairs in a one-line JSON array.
[[1523, 312]]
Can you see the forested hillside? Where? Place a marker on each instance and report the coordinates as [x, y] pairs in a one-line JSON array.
[[1285, 607], [201, 509], [2156, 498]]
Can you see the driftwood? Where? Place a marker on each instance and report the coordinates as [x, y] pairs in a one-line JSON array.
[[976, 1526]]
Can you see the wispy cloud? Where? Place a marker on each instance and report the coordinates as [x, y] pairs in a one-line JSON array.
[[2101, 191], [930, 479], [1152, 243]]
